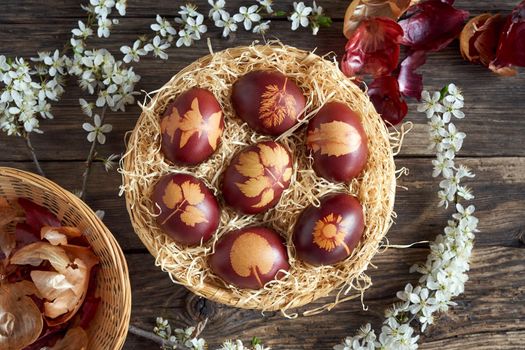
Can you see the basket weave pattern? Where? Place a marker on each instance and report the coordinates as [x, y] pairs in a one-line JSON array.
[[109, 327], [321, 81]]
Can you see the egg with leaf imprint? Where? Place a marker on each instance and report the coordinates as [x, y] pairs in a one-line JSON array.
[[191, 127], [256, 177], [250, 257], [328, 234], [186, 209], [268, 101], [338, 142]]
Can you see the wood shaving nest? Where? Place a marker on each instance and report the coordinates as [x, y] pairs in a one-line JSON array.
[[321, 80]]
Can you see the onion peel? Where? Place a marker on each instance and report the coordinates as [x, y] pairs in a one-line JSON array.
[[20, 318], [59, 235], [359, 10], [410, 82], [431, 25], [511, 47], [75, 339], [387, 99], [373, 49]]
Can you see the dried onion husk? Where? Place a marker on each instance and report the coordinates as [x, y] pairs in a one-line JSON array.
[[73, 263], [20, 318], [59, 235], [359, 10], [75, 339]]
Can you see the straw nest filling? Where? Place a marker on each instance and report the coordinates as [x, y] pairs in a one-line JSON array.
[[321, 81]]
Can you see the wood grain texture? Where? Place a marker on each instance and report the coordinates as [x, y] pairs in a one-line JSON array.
[[499, 188], [492, 308], [491, 313]]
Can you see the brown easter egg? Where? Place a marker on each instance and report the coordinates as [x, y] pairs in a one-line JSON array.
[[338, 142], [191, 127], [256, 177], [187, 210], [250, 257], [268, 101], [328, 234]]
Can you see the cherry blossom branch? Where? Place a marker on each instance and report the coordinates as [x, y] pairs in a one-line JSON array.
[[31, 150], [91, 155]]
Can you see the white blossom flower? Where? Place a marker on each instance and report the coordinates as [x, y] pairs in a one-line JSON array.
[[247, 15], [261, 28], [188, 10], [442, 165], [87, 108], [300, 15], [82, 31], [163, 27], [454, 94], [157, 46], [185, 38], [217, 9], [121, 7], [195, 26], [227, 23], [110, 162], [452, 109], [104, 26], [318, 11], [133, 53], [267, 5], [97, 130], [196, 344], [430, 104], [56, 63]]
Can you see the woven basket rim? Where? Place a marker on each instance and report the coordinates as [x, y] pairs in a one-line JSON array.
[[210, 290], [116, 254]]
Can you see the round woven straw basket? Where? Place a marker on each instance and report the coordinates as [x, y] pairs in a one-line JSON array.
[[109, 327], [321, 81]]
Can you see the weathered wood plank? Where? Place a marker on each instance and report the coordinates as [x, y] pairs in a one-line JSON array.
[[25, 10], [499, 188], [493, 306]]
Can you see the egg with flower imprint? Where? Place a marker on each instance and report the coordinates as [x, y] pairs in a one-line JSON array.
[[338, 142], [328, 234], [186, 209], [268, 101], [256, 177], [191, 127], [250, 257]]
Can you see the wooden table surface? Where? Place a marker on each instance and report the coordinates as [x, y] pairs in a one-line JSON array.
[[491, 313]]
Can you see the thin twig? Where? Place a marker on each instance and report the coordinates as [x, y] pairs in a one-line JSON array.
[[154, 338], [91, 156], [33, 154]]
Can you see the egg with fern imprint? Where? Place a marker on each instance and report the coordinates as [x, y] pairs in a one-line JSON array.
[[338, 142], [186, 209], [268, 101], [256, 177], [191, 127]]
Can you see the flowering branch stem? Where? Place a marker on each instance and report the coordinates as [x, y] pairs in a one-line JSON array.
[[33, 154], [154, 338], [89, 161]]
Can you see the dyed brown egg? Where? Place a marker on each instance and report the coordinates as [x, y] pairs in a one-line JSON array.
[[256, 177], [250, 257], [187, 210], [268, 101], [191, 127], [328, 234], [338, 142]]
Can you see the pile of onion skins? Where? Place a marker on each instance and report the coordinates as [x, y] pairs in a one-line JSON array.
[[47, 280], [376, 28]]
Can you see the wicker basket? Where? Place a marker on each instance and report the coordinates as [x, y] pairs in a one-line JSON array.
[[322, 81], [109, 327]]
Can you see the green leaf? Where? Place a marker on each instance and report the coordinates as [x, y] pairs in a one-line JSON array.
[[443, 92], [279, 13], [324, 21], [256, 341]]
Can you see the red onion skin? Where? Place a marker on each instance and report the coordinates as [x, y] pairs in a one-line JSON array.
[[387, 99], [373, 48], [511, 47]]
